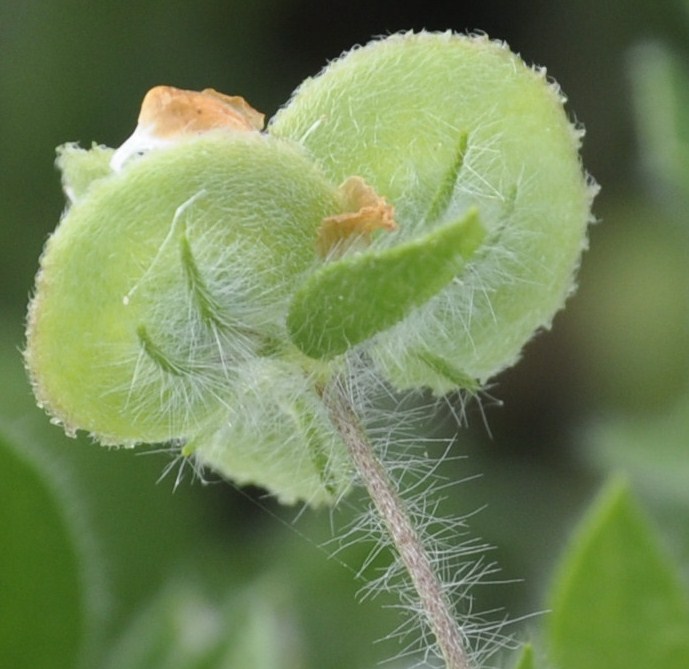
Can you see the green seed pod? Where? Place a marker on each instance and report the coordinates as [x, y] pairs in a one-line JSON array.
[[160, 306], [441, 125], [420, 202], [164, 279]]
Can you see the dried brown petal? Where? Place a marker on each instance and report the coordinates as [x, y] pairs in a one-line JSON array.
[[366, 212], [173, 111]]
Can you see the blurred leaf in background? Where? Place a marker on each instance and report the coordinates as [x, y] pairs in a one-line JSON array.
[[660, 84], [50, 601], [183, 629], [618, 601]]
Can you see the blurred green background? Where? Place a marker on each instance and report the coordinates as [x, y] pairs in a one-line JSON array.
[[105, 567]]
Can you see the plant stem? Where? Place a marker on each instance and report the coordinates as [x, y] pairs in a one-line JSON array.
[[434, 603]]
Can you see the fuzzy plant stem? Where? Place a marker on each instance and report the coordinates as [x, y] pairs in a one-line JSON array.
[[382, 491]]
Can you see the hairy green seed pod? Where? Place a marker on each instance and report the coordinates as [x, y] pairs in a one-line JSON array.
[[164, 279], [443, 124], [209, 292]]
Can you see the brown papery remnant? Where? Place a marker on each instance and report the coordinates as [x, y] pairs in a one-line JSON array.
[[365, 212]]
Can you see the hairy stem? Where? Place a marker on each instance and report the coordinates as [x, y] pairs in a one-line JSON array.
[[434, 603]]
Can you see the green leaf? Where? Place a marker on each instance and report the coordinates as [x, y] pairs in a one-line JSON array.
[[618, 601], [652, 451], [350, 300], [42, 609]]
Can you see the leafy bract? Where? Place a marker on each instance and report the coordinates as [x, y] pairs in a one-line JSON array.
[[347, 301]]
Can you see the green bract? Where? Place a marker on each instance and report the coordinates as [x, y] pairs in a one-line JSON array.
[[184, 298]]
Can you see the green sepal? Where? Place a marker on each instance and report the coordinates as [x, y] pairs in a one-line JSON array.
[[350, 300]]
